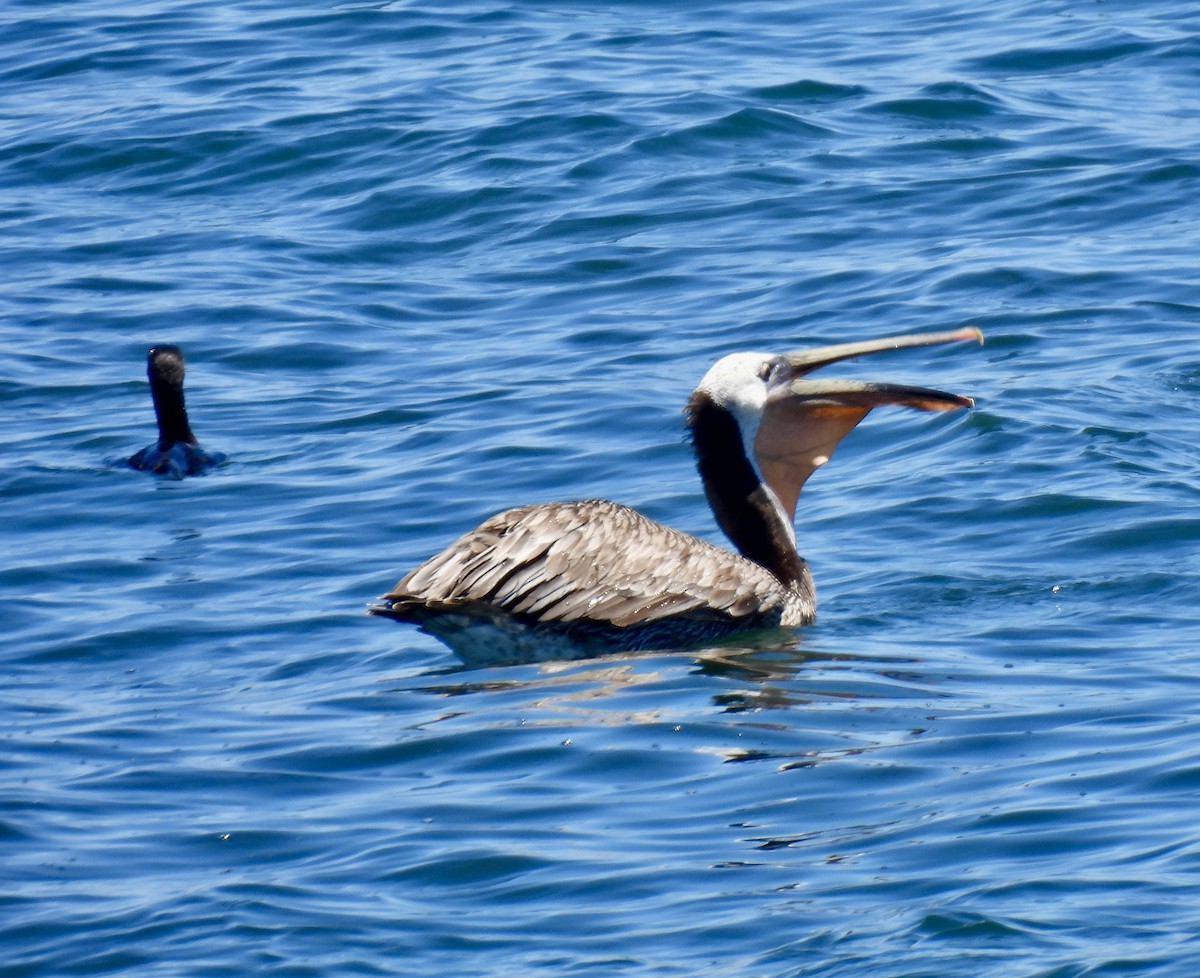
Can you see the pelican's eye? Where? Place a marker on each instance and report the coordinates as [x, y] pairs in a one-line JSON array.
[[772, 371]]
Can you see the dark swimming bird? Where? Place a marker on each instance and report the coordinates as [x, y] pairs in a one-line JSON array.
[[562, 579], [176, 453]]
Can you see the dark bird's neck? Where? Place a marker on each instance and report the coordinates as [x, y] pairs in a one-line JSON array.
[[744, 507], [173, 426]]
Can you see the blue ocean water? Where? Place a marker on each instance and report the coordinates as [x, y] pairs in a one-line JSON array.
[[432, 260]]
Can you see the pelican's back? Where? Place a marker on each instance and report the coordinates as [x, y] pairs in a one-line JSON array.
[[592, 571]]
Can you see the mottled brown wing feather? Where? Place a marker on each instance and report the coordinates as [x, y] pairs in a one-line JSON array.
[[595, 561]]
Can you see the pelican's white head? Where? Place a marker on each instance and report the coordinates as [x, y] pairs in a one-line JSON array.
[[742, 383]]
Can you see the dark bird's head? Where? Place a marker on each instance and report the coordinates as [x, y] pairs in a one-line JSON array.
[[165, 364]]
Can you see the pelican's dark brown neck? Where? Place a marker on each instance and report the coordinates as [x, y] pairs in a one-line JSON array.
[[745, 508], [166, 388]]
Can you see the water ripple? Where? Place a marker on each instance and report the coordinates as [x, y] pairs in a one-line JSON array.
[[428, 263]]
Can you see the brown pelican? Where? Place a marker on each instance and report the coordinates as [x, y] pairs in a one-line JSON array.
[[177, 452], [575, 578]]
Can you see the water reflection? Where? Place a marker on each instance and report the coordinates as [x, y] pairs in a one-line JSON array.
[[746, 682], [184, 546]]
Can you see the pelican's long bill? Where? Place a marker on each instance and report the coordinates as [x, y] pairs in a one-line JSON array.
[[804, 420], [806, 361]]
